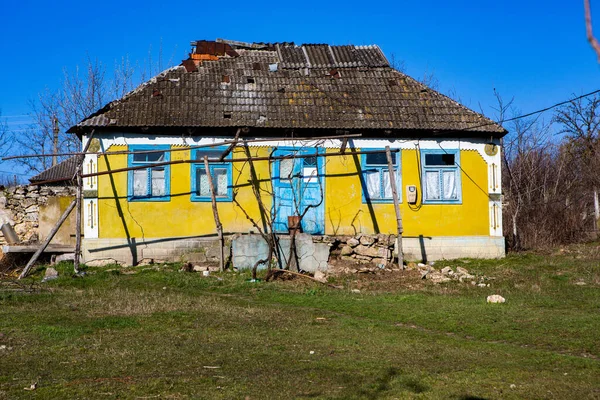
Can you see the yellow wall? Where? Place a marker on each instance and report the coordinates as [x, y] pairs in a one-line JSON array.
[[179, 216], [345, 212]]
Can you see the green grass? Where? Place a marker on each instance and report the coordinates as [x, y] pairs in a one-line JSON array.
[[166, 334]]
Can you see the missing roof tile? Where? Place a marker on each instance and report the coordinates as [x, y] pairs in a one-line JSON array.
[[256, 66], [226, 79], [226, 115], [250, 79]]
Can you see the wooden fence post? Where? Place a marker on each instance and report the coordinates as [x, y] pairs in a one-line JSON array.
[[215, 213], [400, 228]]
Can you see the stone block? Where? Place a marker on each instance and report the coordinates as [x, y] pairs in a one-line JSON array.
[[249, 249], [366, 240]]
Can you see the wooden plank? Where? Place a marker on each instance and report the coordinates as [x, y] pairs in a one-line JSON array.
[[32, 248], [399, 226], [213, 199]]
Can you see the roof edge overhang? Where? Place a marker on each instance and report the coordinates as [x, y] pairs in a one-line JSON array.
[[289, 132]]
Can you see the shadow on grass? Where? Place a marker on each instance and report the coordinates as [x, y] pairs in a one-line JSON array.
[[393, 380]]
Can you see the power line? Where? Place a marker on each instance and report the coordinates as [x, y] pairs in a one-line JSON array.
[[551, 107]]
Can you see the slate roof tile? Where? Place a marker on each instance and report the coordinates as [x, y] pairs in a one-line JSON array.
[[314, 86]]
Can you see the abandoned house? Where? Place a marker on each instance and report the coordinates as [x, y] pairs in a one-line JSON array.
[[305, 128]]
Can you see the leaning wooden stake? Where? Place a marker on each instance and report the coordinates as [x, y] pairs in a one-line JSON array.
[[39, 251], [388, 153], [215, 213]]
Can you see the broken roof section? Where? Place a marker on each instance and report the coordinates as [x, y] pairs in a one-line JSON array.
[[61, 173], [282, 85]]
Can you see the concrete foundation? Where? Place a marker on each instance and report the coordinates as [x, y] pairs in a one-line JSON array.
[[425, 248], [246, 250]]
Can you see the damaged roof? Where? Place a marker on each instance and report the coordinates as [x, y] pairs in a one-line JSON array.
[[283, 85], [62, 172]]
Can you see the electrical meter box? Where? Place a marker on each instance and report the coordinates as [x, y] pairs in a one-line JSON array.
[[411, 194]]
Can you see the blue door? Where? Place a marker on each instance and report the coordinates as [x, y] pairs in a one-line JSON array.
[[298, 186]]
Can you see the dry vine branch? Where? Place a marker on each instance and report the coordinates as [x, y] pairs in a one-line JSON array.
[[588, 28]]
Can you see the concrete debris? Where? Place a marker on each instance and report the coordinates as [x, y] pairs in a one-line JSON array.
[[50, 274], [320, 276], [496, 298], [104, 262]]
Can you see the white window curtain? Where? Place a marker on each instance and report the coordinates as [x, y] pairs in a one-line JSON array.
[[387, 185], [373, 182], [220, 179], [158, 182], [140, 182], [202, 182], [449, 185], [432, 185]]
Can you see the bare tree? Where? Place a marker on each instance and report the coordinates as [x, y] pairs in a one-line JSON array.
[[81, 92]]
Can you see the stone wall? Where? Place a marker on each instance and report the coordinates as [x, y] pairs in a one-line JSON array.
[[364, 249], [32, 209]]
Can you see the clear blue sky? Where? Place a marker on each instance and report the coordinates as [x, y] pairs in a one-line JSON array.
[[535, 50]]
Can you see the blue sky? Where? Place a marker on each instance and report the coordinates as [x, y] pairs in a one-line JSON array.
[[535, 51]]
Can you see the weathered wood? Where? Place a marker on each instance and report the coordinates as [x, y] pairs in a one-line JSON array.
[[344, 145], [213, 199], [399, 226], [78, 201], [229, 160], [37, 254], [32, 248], [231, 146]]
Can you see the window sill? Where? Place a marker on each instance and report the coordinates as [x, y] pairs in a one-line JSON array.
[[438, 202], [208, 199], [148, 199]]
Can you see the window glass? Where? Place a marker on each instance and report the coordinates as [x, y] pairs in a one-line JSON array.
[[210, 153], [310, 161], [286, 168], [152, 182], [439, 160], [441, 176], [149, 157], [379, 159]]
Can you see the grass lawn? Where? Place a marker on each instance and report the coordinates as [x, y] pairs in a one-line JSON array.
[[160, 333]]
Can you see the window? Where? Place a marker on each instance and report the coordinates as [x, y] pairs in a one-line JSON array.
[[376, 177], [219, 172], [153, 182], [441, 176]]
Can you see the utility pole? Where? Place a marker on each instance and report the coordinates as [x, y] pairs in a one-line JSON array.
[[55, 141]]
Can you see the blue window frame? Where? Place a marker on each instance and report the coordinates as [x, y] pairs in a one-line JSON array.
[[152, 183], [221, 174], [441, 176], [376, 178]]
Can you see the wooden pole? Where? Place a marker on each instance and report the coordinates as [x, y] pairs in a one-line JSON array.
[[388, 153], [39, 251], [215, 213], [78, 201], [227, 160]]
